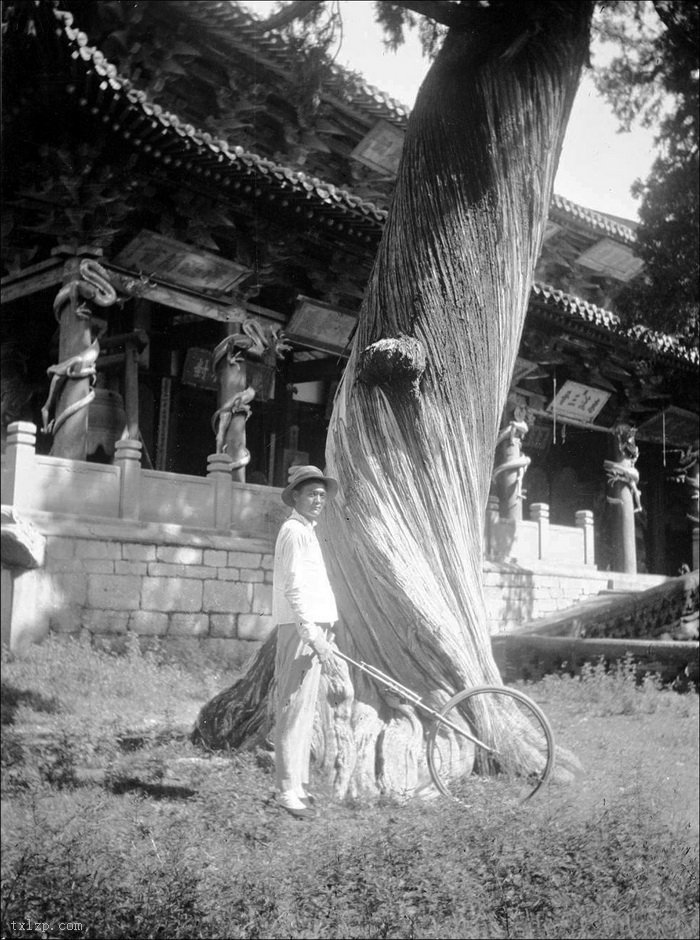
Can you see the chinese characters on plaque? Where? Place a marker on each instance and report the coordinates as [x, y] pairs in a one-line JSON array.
[[577, 401], [198, 372], [197, 369]]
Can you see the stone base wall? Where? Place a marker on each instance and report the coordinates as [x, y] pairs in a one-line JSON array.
[[159, 582], [515, 595], [193, 588]]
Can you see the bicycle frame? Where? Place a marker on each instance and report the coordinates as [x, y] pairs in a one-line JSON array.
[[393, 686]]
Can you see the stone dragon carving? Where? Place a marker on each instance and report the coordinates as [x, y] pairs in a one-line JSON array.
[[623, 470], [92, 287], [259, 343]]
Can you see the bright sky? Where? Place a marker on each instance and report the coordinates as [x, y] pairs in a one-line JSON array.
[[598, 164]]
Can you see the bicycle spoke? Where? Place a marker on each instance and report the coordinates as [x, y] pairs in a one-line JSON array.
[[513, 726]]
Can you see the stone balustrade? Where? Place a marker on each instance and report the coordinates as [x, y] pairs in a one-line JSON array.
[[188, 560], [123, 490], [535, 541]]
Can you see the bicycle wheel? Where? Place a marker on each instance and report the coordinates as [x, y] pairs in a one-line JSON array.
[[498, 746]]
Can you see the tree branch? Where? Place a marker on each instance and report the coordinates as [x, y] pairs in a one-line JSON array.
[[680, 25], [447, 12], [450, 13], [298, 10]]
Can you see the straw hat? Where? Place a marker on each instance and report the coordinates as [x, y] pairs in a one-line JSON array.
[[298, 475]]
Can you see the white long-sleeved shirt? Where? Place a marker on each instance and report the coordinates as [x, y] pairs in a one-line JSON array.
[[301, 591]]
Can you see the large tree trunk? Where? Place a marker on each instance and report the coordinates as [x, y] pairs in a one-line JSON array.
[[417, 414]]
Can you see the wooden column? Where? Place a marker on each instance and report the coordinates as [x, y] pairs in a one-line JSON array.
[[511, 465], [75, 344], [234, 397], [623, 496], [687, 472], [72, 378], [693, 484], [284, 417]]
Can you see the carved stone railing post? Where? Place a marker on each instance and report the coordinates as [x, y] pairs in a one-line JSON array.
[[19, 463], [219, 471], [539, 513], [585, 521], [623, 495], [127, 456], [85, 282]]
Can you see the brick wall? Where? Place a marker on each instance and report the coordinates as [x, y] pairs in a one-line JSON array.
[[110, 579], [197, 588], [516, 595]]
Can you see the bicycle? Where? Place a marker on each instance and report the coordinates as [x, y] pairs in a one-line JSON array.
[[455, 745]]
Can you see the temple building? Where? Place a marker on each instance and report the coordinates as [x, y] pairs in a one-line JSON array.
[[189, 224]]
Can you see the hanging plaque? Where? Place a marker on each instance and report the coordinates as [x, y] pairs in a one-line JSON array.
[[577, 401], [197, 370]]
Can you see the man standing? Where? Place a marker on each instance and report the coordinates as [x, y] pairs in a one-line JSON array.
[[304, 610]]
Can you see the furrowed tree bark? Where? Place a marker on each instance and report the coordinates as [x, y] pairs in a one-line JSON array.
[[417, 414]]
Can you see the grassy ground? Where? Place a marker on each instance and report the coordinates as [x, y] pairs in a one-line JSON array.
[[114, 826]]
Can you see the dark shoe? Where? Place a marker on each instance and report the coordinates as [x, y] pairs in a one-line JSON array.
[[305, 812], [308, 799]]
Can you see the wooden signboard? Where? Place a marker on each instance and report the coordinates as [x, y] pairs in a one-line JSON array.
[[321, 326], [197, 370], [185, 265], [199, 373], [381, 148], [578, 401]]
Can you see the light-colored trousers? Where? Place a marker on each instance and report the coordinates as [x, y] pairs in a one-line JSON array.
[[298, 673]]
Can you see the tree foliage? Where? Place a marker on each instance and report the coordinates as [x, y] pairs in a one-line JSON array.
[[653, 79]]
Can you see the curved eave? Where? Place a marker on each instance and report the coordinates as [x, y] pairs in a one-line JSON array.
[[580, 313], [566, 211], [291, 182], [354, 92], [163, 138], [242, 30]]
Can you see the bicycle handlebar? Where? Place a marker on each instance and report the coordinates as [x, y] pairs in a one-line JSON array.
[[411, 696]]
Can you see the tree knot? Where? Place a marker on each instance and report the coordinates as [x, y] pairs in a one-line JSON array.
[[397, 364]]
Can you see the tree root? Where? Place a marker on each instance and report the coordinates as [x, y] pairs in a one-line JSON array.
[[241, 715]]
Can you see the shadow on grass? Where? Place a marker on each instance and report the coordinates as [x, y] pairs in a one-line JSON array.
[[12, 698]]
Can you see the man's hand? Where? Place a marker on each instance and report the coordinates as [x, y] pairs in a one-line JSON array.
[[324, 650], [334, 669]]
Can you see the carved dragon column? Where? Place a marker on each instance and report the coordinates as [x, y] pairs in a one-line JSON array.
[[235, 394], [234, 397], [85, 283], [511, 465], [624, 495]]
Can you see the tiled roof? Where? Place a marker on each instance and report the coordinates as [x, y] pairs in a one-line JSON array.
[[591, 219], [165, 138], [295, 181], [242, 28], [655, 343], [352, 89]]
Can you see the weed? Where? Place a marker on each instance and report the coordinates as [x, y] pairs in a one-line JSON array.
[[133, 858], [616, 689]]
